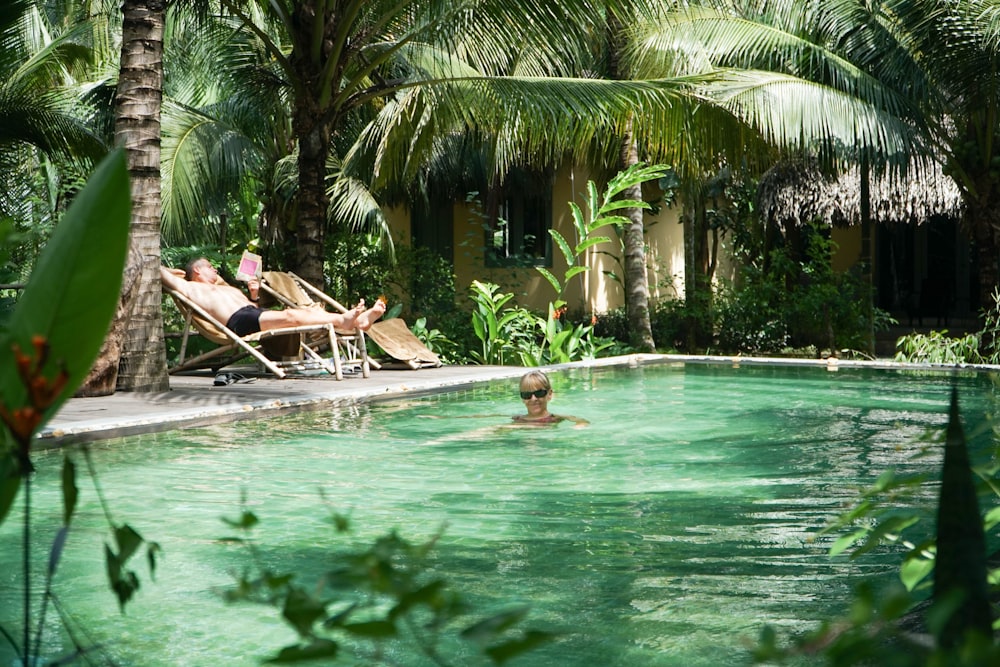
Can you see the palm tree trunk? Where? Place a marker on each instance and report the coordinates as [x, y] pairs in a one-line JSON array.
[[103, 377], [143, 365], [983, 218], [312, 203], [633, 233], [866, 258], [312, 126], [634, 242]]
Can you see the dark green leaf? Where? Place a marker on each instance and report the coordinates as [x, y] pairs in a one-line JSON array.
[[563, 246], [10, 482], [551, 278], [501, 653], [302, 610], [961, 564], [340, 618], [318, 648], [152, 550], [488, 628], [372, 629], [588, 243], [124, 583], [73, 291], [128, 542], [428, 595], [57, 547], [69, 489], [246, 521]]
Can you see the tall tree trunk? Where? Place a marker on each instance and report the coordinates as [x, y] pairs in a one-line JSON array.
[[143, 365], [311, 124], [103, 376], [983, 218], [699, 267], [866, 258], [634, 241], [633, 233], [314, 141]]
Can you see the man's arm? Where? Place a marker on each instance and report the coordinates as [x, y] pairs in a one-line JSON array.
[[172, 280]]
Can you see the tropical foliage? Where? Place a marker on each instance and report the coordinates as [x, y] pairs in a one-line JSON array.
[[52, 338], [295, 125], [953, 626], [375, 602], [938, 347]]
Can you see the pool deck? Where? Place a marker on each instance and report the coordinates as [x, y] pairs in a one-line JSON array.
[[193, 400]]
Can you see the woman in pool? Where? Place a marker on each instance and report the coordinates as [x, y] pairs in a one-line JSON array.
[[536, 392]]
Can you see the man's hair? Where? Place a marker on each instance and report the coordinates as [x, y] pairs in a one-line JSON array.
[[189, 267]]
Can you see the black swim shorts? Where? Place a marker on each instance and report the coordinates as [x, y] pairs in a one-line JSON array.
[[245, 321]]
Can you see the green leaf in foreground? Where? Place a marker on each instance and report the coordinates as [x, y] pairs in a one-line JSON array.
[[72, 294]]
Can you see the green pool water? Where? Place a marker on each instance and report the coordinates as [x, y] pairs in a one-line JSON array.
[[667, 532]]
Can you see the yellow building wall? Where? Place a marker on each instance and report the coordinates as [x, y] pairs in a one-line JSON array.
[[848, 252], [398, 219], [593, 291]]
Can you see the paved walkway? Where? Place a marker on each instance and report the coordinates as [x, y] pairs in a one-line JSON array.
[[193, 400]]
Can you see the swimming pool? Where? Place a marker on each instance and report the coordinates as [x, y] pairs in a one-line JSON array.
[[668, 532]]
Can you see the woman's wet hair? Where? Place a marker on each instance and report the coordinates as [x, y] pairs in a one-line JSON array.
[[536, 379]]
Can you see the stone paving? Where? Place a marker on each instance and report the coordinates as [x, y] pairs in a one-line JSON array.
[[194, 400]]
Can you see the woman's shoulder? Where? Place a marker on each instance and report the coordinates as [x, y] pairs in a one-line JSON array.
[[547, 419]]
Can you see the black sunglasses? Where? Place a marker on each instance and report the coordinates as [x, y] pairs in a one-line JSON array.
[[538, 393]]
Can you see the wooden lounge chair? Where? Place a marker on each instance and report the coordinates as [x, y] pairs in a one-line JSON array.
[[291, 291], [397, 341], [298, 345]]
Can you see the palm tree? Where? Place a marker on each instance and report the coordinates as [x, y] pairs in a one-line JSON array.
[[425, 90], [39, 119], [347, 56], [139, 320], [945, 107], [960, 108], [227, 142]]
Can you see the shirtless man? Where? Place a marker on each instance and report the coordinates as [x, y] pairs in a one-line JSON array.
[[228, 304]]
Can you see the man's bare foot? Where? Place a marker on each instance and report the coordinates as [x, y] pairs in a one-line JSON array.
[[360, 318], [368, 317]]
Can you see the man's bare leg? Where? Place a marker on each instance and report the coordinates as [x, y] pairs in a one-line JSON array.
[[355, 318]]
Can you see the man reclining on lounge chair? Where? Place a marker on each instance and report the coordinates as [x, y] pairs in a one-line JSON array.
[[228, 304]]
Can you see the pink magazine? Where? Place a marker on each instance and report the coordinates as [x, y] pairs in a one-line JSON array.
[[250, 266]]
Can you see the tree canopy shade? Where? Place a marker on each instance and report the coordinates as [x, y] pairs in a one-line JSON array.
[[35, 106], [39, 109], [907, 79], [345, 57], [780, 68], [356, 98]]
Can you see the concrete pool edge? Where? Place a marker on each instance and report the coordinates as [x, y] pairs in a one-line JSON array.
[[193, 400]]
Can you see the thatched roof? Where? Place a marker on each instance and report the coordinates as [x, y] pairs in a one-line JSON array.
[[793, 193]]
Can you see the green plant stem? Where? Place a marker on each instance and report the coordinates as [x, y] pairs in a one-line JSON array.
[[6, 635], [426, 647], [97, 487], [26, 569], [43, 612]]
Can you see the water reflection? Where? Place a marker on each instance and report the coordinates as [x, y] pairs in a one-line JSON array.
[[665, 533]]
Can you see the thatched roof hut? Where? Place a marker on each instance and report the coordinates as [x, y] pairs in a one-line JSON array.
[[794, 193]]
